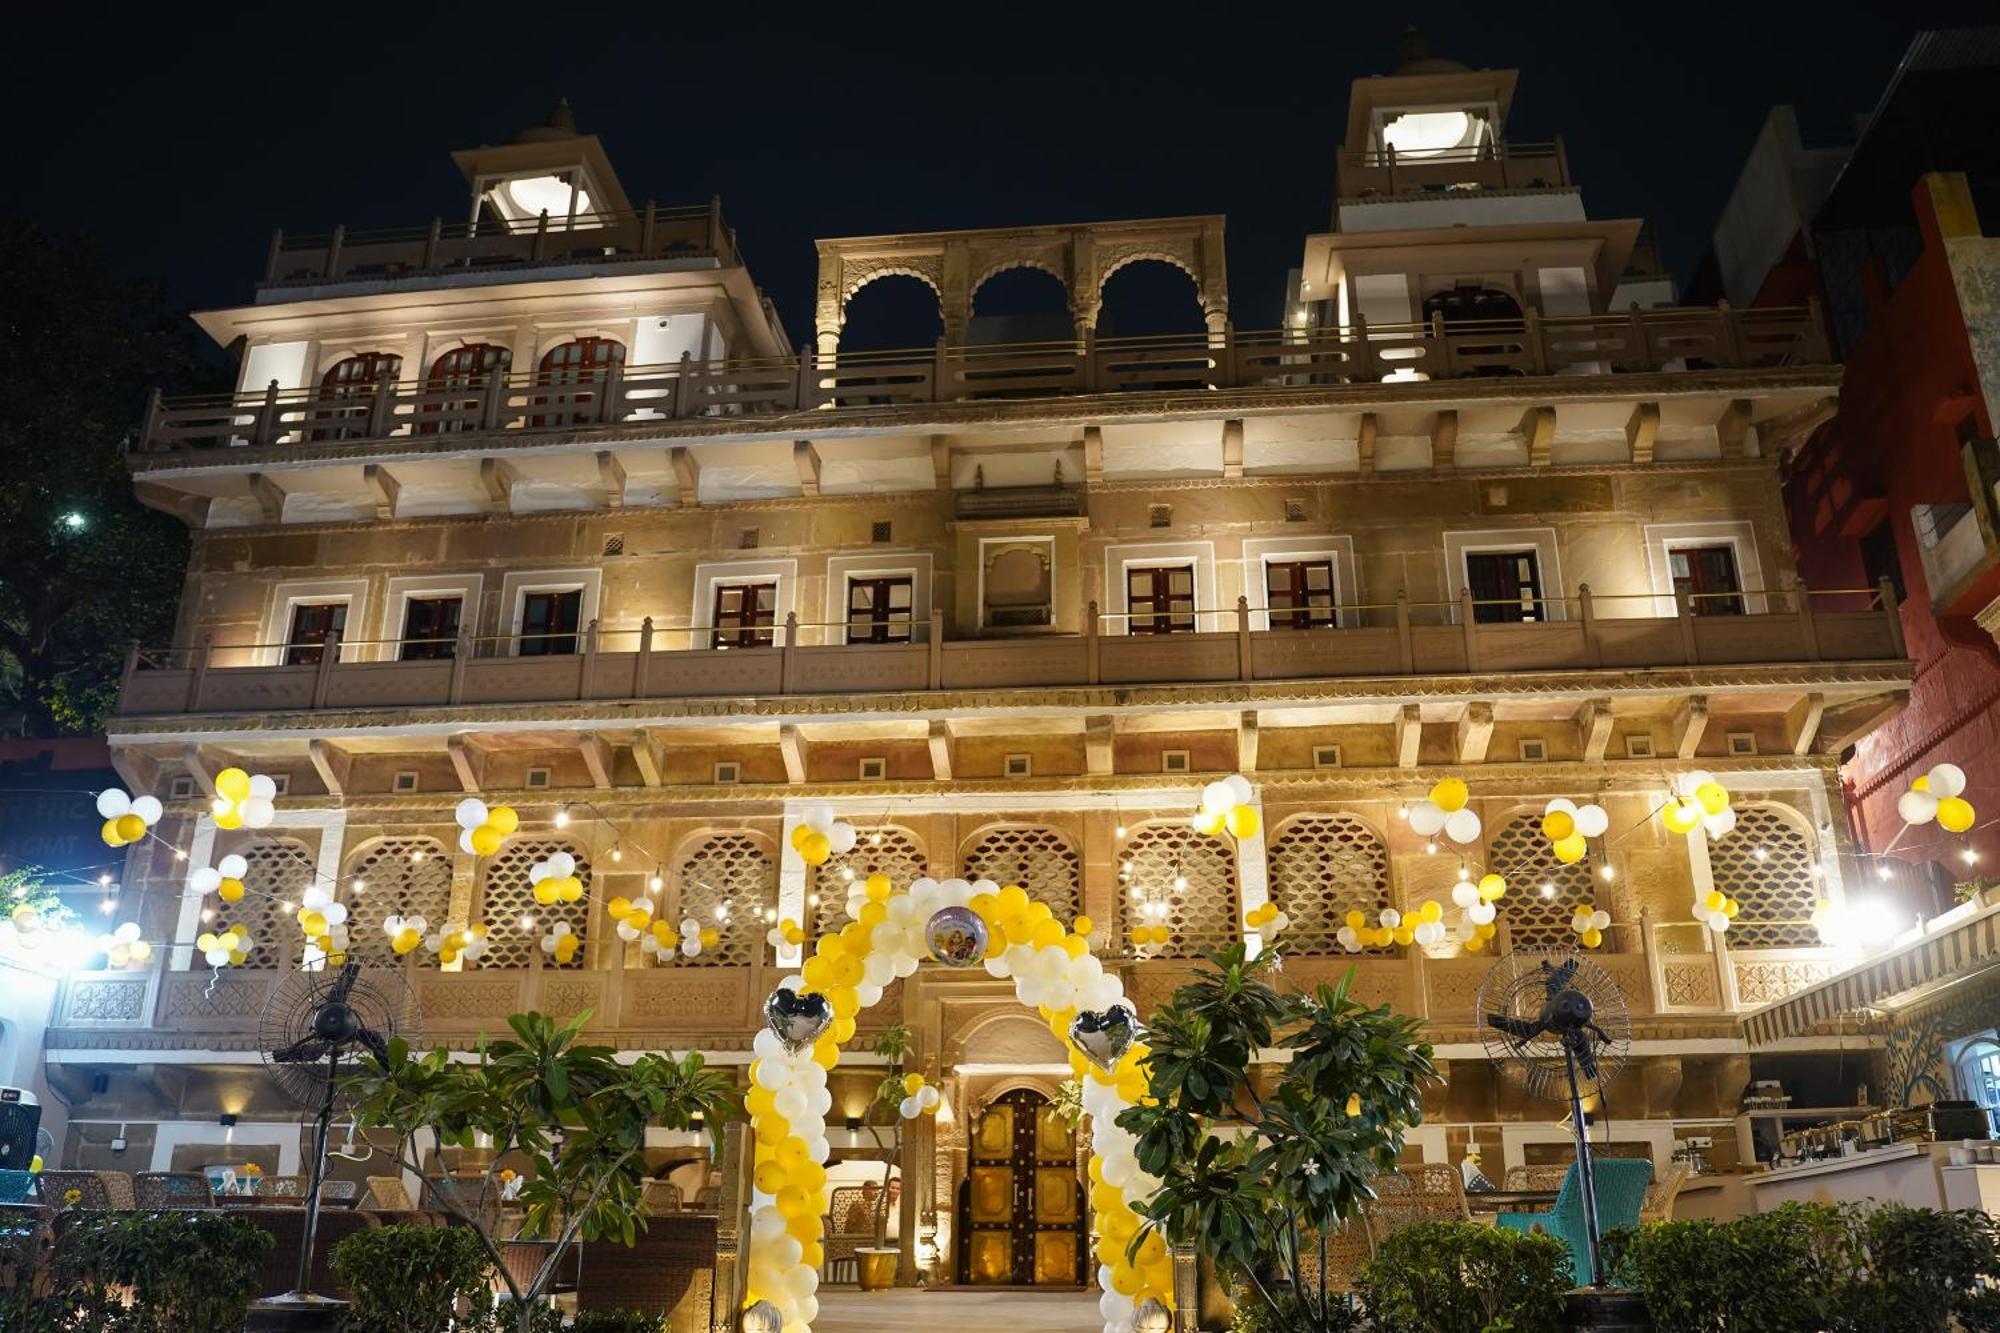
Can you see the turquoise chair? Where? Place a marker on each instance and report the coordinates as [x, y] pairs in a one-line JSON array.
[[1621, 1190], [14, 1186]]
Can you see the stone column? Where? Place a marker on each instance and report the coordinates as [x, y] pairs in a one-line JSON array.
[[914, 1162]]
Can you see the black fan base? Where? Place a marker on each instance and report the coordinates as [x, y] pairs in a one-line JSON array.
[[1606, 1310], [295, 1312]]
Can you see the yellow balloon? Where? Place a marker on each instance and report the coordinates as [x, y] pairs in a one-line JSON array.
[[815, 848], [1714, 899], [1492, 887], [231, 818], [878, 888], [710, 938], [570, 889], [139, 951], [1571, 849], [112, 837], [1558, 824], [503, 819], [545, 892], [619, 908], [230, 890], [1432, 910], [131, 827], [485, 840], [1449, 795], [826, 1054], [1243, 822], [1011, 899], [912, 1084], [1592, 938], [1731, 908], [566, 948], [1210, 822], [1404, 934], [1713, 797], [770, 1177], [1681, 818], [233, 784], [1083, 925], [1955, 814], [1923, 782]]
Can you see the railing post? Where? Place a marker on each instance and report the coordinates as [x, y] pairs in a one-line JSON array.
[[1405, 643], [1389, 160], [333, 248], [1808, 630], [1245, 668], [935, 666], [1467, 618], [805, 384], [1728, 335], [683, 382], [431, 239], [329, 653], [1437, 343], [611, 400], [715, 236], [381, 406], [587, 660], [1725, 973], [786, 652], [1684, 614], [647, 220], [1087, 355], [642, 668], [1818, 346], [1562, 163], [1593, 646], [151, 421], [266, 429], [941, 372], [271, 256], [1364, 352], [131, 666], [1656, 979], [1642, 344], [1090, 644], [204, 650], [461, 656], [1892, 617], [539, 251], [493, 409], [1538, 347]]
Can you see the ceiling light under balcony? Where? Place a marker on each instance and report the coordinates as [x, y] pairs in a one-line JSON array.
[[535, 195]]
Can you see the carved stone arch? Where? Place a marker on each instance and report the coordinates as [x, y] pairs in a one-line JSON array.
[[1040, 1084], [1322, 865], [727, 870], [992, 266], [859, 274], [1114, 257], [394, 884]]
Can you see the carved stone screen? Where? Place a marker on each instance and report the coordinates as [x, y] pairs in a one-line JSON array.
[[899, 856], [396, 877], [280, 871], [508, 897], [1038, 858], [1194, 875], [1536, 920], [727, 881], [1775, 890], [1322, 867]]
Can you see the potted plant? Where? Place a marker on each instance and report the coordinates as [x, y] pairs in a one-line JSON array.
[[1254, 1171], [875, 1265], [570, 1111]]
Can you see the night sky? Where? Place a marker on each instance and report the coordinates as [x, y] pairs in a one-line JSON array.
[[179, 140]]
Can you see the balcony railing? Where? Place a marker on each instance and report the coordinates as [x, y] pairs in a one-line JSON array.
[[1404, 637], [1360, 353], [1490, 166], [692, 232]]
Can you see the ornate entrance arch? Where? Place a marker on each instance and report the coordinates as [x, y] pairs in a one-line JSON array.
[[954, 264], [1053, 972]]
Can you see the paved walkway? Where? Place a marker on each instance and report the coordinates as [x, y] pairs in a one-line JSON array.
[[844, 1310]]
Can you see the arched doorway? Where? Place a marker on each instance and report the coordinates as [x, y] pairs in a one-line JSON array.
[[1020, 1207]]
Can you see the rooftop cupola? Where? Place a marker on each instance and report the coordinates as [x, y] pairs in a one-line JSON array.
[[548, 168]]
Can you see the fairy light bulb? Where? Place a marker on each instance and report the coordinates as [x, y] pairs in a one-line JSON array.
[[875, 838], [1430, 849], [1403, 811], [847, 873], [180, 854], [416, 856], [1971, 857], [1180, 883], [527, 924], [359, 886], [618, 853], [1464, 872], [562, 818], [1118, 832], [654, 883], [1607, 874], [1548, 890]]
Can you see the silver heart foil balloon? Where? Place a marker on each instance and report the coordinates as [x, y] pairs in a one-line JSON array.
[[957, 937], [797, 1020], [1104, 1037], [763, 1317]]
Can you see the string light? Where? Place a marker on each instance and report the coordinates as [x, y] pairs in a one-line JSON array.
[[1403, 811], [360, 886], [104, 880], [655, 883], [1548, 890], [417, 855], [1760, 853], [617, 853], [1971, 857], [875, 838], [1430, 849], [562, 818], [847, 873], [1180, 883], [180, 854]]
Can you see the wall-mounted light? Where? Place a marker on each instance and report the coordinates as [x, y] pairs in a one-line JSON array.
[[854, 1124], [228, 1121]]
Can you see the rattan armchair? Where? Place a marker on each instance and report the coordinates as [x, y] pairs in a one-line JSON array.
[[118, 1189], [1536, 1179], [1346, 1250], [172, 1189], [1428, 1193], [55, 1189], [1660, 1195]]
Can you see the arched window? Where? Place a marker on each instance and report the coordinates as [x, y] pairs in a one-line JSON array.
[[280, 871], [1322, 867], [395, 877], [893, 851], [507, 898], [581, 362], [891, 311], [345, 390], [727, 881], [1184, 880], [1039, 859], [1766, 864], [470, 368], [1542, 893]]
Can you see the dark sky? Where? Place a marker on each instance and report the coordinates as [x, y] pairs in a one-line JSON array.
[[180, 140]]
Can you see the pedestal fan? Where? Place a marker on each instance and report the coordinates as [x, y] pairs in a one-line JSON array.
[[1557, 1024], [313, 1023]]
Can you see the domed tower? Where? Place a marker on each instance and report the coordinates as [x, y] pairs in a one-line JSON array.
[[546, 168]]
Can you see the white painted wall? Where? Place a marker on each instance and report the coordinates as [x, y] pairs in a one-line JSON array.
[[283, 362]]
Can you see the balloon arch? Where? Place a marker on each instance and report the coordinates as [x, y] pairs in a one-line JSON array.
[[811, 1016]]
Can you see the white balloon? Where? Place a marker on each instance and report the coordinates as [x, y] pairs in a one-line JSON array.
[[1600, 919], [1562, 803], [1462, 825], [1718, 921], [1720, 824], [315, 898], [263, 787], [258, 812], [1482, 914], [1591, 821], [1239, 789], [562, 865], [149, 809], [233, 866], [465, 845], [1349, 939], [113, 802], [1426, 819], [691, 946], [470, 813], [1464, 893], [1390, 918], [817, 815], [840, 838], [1917, 807], [336, 914], [216, 957], [1946, 780], [205, 880]]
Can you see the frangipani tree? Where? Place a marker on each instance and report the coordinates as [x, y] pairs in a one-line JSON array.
[[1252, 1178], [574, 1113]]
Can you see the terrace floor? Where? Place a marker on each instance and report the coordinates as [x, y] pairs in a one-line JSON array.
[[850, 1311]]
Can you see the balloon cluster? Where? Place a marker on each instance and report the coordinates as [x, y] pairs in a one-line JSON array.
[[1266, 921], [230, 946], [24, 926], [224, 879], [481, 829], [1716, 909], [1225, 804], [788, 933], [1445, 811], [406, 933], [1588, 923], [788, 1103], [819, 835], [126, 818], [1568, 826], [562, 943], [554, 880], [324, 924], [1425, 924], [123, 947], [655, 937], [919, 1097], [456, 942], [1158, 932], [1699, 801], [244, 801], [1940, 795], [1114, 1076]]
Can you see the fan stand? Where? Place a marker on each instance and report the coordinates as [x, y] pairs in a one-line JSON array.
[[1586, 1176], [1596, 1307], [302, 1310]]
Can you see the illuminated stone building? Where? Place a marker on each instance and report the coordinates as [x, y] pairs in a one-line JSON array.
[[543, 505]]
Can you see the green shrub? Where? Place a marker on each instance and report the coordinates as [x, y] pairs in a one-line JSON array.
[[1461, 1277], [1925, 1267], [186, 1270], [618, 1321], [1253, 1316], [404, 1279]]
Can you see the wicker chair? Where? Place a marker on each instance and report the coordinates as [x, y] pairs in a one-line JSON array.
[[172, 1189], [282, 1191], [339, 1193], [1430, 1193], [54, 1188], [118, 1188], [670, 1271], [1660, 1195], [388, 1194], [663, 1196], [848, 1223], [1346, 1250], [707, 1200], [1536, 1179]]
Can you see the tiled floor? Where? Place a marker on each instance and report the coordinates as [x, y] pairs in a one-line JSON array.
[[844, 1310]]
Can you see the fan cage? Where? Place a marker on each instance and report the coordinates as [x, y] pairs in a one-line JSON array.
[[379, 1000], [1516, 986]]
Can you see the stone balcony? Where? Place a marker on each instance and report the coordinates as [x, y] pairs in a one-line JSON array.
[[1490, 166]]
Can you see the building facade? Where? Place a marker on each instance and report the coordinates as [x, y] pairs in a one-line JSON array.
[[543, 507]]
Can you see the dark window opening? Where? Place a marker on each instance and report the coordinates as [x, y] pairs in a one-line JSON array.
[[346, 390], [549, 622], [745, 615], [1506, 587], [311, 623], [1300, 594], [1707, 574], [585, 361], [1160, 599], [879, 609], [471, 369], [430, 628]]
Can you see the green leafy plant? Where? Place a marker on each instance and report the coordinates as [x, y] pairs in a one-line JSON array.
[[617, 1321], [1929, 1267], [1249, 1176], [405, 1279], [1461, 1277], [184, 1270], [571, 1112], [1254, 1316], [893, 1044]]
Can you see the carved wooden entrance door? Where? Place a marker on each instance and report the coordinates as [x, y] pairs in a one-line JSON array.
[[1020, 1214]]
